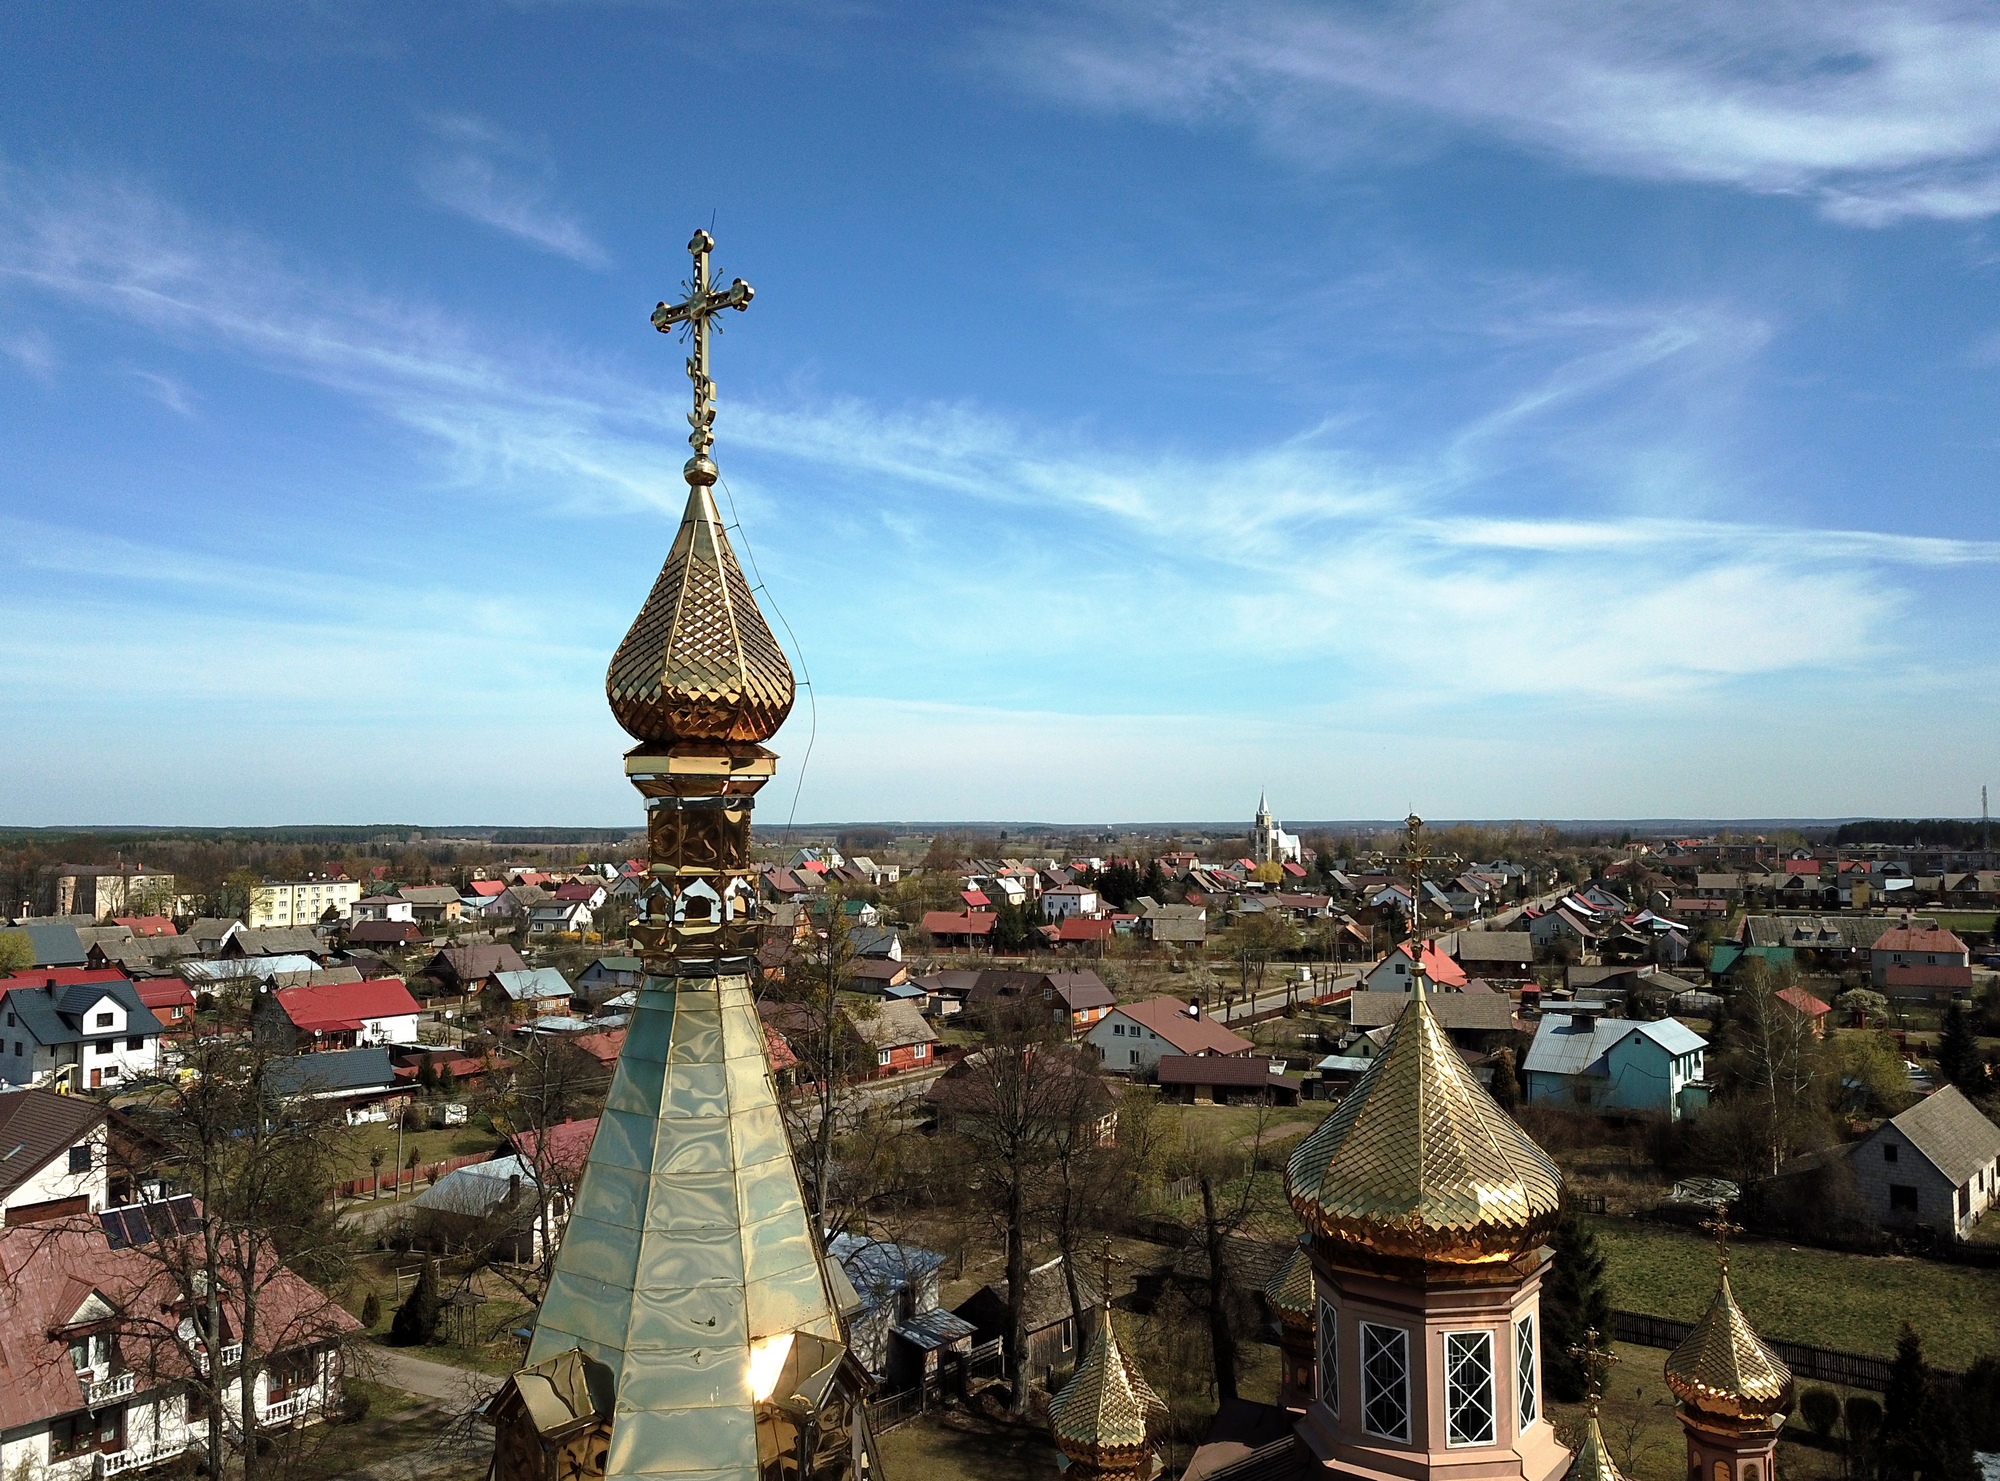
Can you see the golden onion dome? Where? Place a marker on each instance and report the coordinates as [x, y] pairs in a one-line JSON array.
[[1104, 1414], [1419, 1162], [1722, 1368], [1291, 1291], [700, 663], [1593, 1462]]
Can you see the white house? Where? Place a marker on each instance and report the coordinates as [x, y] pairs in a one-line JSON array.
[[76, 1025], [1130, 1039], [59, 1165], [1069, 899], [384, 907]]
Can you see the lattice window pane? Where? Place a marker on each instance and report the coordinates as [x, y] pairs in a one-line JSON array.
[[1385, 1381], [1468, 1388], [1329, 1355], [1527, 1371]]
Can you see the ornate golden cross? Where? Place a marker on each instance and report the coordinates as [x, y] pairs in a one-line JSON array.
[[1105, 1261], [1722, 1229], [1414, 858], [1596, 1362], [691, 316]]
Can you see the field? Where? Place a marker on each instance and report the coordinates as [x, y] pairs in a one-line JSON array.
[[1856, 1303], [1964, 920]]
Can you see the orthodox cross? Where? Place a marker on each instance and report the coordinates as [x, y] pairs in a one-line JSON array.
[[1596, 1362], [1414, 858], [1105, 1261], [691, 316], [1722, 1229]]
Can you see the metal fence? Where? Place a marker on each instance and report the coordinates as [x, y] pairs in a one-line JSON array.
[[1817, 1364]]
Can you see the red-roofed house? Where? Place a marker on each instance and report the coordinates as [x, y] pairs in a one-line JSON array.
[[975, 900], [145, 925], [1131, 1038], [338, 1015], [1807, 1006], [1392, 972], [959, 927], [1914, 946], [172, 1002], [99, 1351], [1081, 931]]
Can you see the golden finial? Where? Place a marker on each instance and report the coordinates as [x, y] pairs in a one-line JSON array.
[[1102, 1419], [1593, 1460], [700, 663], [1722, 1366]]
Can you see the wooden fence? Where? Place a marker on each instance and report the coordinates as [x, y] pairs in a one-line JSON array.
[[1817, 1364]]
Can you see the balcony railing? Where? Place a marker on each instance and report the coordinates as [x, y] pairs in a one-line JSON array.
[[98, 1391], [232, 1354], [136, 1457], [285, 1410]]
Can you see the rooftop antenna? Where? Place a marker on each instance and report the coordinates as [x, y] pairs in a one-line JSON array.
[[1985, 823]]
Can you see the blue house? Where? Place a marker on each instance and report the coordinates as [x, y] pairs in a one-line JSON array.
[[1584, 1062]]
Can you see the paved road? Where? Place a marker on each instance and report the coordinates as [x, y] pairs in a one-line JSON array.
[[1274, 998], [458, 1387]]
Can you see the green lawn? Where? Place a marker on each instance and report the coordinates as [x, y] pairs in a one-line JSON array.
[[1856, 1303], [957, 1446], [1964, 920]]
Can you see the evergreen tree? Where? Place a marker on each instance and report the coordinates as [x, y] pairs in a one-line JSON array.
[[1156, 880], [1506, 1088], [447, 1081], [1958, 1053], [416, 1320], [1573, 1301], [427, 1075], [371, 1311], [1923, 1431]]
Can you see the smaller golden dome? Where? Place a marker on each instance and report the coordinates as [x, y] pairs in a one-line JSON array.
[[1593, 1462], [1722, 1368], [1291, 1291], [1104, 1415], [700, 663], [1419, 1162]]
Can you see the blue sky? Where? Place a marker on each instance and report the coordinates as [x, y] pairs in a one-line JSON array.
[[1500, 409]]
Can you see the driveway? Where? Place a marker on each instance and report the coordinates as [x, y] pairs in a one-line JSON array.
[[400, 1368]]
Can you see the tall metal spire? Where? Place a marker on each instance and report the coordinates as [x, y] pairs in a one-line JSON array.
[[690, 1271]]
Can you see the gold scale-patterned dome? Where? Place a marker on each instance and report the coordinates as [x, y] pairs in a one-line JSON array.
[[1291, 1292], [1723, 1369], [1419, 1163], [700, 663], [1103, 1417]]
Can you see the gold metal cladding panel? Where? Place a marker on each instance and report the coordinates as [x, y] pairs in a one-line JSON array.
[[689, 1144], [1593, 1462], [618, 1197], [1105, 1412], [637, 1086], [696, 1316], [1292, 1292], [684, 1439], [691, 1200], [624, 1139], [691, 1257], [606, 1250], [759, 1135], [698, 1090], [579, 1309]]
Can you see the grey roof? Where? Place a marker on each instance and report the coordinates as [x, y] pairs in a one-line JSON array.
[[333, 1072], [1494, 946], [54, 945], [1564, 1046], [878, 1268], [59, 1019], [1821, 932], [1461, 1010], [470, 963], [934, 1328], [532, 985], [210, 929], [871, 940], [476, 1190], [1951, 1132], [893, 1022], [276, 941]]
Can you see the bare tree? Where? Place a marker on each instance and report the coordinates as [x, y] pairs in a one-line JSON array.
[[1025, 1093], [1772, 1060], [257, 1247]]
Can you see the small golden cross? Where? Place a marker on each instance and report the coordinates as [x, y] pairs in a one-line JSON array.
[[1596, 1362], [691, 315], [1722, 1229]]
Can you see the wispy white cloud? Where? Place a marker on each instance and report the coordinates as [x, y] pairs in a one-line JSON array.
[[1880, 112], [1180, 555], [506, 183], [164, 389], [32, 350]]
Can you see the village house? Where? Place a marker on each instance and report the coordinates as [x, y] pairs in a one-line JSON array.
[[462, 969], [432, 904], [1050, 1316], [556, 917], [1392, 973], [1937, 1166], [1583, 1062], [608, 976], [1490, 954], [1476, 1022], [359, 1078], [1066, 900], [337, 1015], [97, 1365], [1069, 1087], [1917, 959], [101, 891], [75, 1027], [60, 1162], [384, 907], [1226, 1079], [967, 928], [896, 1031], [384, 933], [521, 997], [1173, 925], [171, 1002], [1132, 1037], [898, 1331]]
